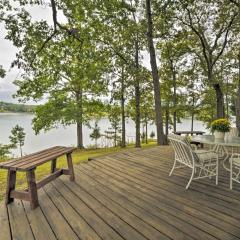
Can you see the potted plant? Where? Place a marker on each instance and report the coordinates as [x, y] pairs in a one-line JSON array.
[[219, 127]]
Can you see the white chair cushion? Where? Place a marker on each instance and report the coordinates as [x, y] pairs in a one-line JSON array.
[[205, 156]]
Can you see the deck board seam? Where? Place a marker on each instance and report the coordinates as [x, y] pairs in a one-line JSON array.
[[27, 219], [61, 213], [182, 176], [123, 164], [48, 221], [171, 193], [88, 207], [110, 211], [167, 212], [8, 218], [159, 217], [52, 185]]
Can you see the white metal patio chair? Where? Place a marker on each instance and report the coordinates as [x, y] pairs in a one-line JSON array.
[[204, 163], [233, 132], [234, 169]]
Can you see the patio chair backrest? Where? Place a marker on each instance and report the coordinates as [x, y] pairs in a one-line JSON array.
[[182, 149], [233, 132]]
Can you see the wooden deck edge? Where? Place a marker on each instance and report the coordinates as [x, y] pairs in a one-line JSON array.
[[131, 150]]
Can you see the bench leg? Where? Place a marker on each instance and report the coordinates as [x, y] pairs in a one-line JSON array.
[[53, 165], [70, 167], [11, 182], [32, 189]]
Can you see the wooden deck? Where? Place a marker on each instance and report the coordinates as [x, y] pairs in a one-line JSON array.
[[128, 196]]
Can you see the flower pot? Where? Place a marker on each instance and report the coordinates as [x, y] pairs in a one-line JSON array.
[[219, 135]]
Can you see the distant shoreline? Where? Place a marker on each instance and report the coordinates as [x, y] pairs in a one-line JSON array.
[[6, 107], [9, 112]]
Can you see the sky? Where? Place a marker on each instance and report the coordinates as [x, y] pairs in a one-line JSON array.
[[8, 52]]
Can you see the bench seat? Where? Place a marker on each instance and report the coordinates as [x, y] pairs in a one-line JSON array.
[[31, 161], [28, 164]]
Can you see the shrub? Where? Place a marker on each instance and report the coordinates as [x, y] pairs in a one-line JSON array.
[[221, 125], [152, 134]]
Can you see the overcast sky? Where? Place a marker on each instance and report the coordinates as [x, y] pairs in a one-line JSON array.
[[7, 55], [8, 51]]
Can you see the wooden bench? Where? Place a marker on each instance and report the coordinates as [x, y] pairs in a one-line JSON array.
[[29, 164]]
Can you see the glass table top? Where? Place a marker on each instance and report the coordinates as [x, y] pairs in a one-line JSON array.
[[210, 139]]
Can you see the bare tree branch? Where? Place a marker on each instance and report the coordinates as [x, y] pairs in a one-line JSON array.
[[191, 25], [225, 39], [71, 32], [49, 38]]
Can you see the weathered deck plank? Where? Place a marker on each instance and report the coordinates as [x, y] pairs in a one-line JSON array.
[[57, 222], [83, 230], [5, 232], [20, 227], [40, 227], [128, 196], [186, 223]]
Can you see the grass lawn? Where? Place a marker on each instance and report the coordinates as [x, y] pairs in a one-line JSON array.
[[78, 156]]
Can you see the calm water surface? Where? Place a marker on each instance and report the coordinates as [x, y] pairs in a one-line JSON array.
[[66, 135]]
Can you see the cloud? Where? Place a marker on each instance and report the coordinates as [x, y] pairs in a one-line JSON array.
[[8, 53]]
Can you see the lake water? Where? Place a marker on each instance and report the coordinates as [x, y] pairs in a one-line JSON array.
[[67, 135]]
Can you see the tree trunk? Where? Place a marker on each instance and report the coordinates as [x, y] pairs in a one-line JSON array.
[[115, 137], [146, 132], [123, 142], [20, 149], [137, 97], [157, 95], [220, 100], [174, 96], [237, 105], [227, 102], [192, 120], [79, 119], [167, 121]]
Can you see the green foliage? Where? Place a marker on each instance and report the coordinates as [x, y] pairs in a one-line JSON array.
[[95, 135], [152, 134], [114, 116], [143, 137], [114, 113], [2, 72], [18, 137], [221, 125], [4, 151], [75, 64]]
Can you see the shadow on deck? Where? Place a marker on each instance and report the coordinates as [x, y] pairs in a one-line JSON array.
[[128, 196]]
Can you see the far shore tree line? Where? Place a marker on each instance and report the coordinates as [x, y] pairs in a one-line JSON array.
[[16, 108], [92, 63]]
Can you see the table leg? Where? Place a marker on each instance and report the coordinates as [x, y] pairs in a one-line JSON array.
[[32, 189], [11, 182], [70, 167]]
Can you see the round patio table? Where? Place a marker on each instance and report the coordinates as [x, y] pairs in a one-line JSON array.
[[219, 144]]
